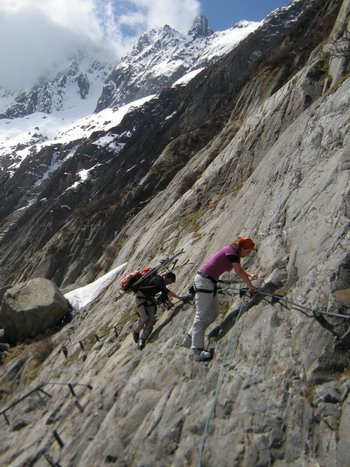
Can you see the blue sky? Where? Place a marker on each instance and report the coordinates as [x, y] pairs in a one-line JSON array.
[[223, 14]]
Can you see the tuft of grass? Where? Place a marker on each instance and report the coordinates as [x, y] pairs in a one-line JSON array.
[[223, 309], [42, 349], [308, 393]]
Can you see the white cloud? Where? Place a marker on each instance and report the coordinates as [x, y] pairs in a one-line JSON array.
[[179, 14], [41, 35]]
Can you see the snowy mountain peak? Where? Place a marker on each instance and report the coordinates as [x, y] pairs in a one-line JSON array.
[[151, 42], [81, 80], [163, 56], [200, 27]]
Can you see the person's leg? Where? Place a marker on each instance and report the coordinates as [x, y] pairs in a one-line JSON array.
[[206, 310], [151, 313], [215, 308], [142, 313]]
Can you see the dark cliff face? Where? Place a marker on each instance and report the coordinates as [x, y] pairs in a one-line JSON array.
[[180, 122]]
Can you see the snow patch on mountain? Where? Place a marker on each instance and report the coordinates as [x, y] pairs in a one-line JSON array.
[[187, 78], [23, 137], [220, 43], [73, 89], [83, 296]]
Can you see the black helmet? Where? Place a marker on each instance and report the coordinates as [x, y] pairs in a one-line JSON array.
[[170, 275]]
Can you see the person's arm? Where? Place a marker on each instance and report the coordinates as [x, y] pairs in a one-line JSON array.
[[244, 275], [174, 295], [253, 276]]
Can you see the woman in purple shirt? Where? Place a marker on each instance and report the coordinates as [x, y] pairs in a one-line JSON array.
[[207, 303]]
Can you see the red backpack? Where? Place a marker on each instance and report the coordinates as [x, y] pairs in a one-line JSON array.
[[131, 278]]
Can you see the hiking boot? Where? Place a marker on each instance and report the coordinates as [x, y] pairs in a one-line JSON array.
[[141, 344], [203, 356], [136, 336], [186, 341]]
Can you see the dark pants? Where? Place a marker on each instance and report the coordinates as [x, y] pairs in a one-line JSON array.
[[146, 309]]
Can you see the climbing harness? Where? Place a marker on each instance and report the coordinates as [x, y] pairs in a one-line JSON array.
[[208, 291]]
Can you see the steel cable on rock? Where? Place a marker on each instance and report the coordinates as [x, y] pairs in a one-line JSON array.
[[278, 298]]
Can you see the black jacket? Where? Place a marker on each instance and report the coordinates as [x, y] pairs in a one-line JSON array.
[[153, 286]]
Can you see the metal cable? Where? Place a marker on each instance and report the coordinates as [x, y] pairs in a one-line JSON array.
[[279, 298]]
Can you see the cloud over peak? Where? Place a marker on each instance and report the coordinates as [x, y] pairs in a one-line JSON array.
[[37, 36]]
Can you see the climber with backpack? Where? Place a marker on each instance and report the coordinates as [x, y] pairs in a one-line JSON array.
[[146, 304]]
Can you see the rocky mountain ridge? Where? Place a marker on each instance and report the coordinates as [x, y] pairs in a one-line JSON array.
[[257, 144], [82, 80], [161, 57]]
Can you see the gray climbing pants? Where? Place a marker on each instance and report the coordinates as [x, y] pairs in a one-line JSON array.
[[207, 310]]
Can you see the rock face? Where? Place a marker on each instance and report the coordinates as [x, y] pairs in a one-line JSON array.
[[29, 308], [259, 150]]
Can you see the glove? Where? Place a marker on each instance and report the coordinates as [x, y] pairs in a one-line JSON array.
[[187, 298]]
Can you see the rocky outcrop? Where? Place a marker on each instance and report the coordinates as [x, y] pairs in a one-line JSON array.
[[29, 309]]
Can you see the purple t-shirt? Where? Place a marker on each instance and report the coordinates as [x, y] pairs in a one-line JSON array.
[[220, 263]]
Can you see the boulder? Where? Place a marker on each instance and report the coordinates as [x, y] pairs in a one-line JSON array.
[[29, 308]]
